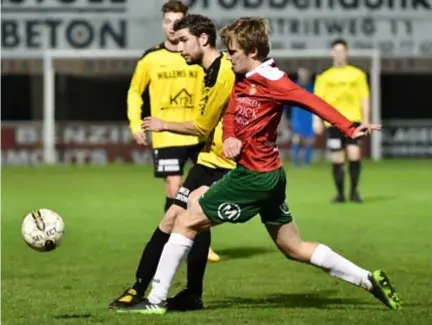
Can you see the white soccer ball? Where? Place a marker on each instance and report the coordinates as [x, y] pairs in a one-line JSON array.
[[43, 230]]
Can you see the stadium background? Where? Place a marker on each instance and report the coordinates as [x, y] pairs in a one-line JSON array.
[[111, 210], [90, 94]]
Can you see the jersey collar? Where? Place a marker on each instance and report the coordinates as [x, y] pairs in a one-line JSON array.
[[162, 46], [215, 63], [264, 64]]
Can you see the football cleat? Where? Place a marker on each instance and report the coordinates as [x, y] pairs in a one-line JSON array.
[[383, 290], [355, 197], [128, 298], [338, 199], [185, 301], [212, 256], [145, 307]]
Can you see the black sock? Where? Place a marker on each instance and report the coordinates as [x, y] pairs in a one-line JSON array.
[[168, 202], [338, 177], [354, 169], [197, 262], [149, 260]]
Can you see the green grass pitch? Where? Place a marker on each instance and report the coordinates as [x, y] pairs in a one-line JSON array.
[[111, 211]]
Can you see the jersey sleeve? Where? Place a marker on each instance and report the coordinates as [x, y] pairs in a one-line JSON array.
[[212, 105], [363, 87], [228, 121], [287, 91], [139, 82]]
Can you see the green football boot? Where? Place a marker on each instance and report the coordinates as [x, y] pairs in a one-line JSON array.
[[145, 307], [383, 290]]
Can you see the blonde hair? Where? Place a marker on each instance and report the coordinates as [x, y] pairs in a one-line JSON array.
[[251, 34]]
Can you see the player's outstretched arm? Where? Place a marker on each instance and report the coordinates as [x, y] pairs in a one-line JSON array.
[[365, 129], [212, 104], [285, 89], [157, 125]]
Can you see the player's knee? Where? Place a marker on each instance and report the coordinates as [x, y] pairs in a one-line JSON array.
[[292, 245], [193, 219], [195, 209], [196, 219], [299, 251], [296, 255], [168, 221], [353, 152], [288, 249], [196, 195], [338, 157], [182, 221], [172, 184], [186, 223], [193, 200]]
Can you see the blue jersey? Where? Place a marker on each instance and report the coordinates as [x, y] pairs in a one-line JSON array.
[[301, 119]]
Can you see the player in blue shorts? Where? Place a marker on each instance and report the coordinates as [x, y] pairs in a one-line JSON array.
[[301, 123]]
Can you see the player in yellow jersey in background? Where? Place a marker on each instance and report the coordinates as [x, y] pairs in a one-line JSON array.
[[197, 41], [344, 87], [171, 89]]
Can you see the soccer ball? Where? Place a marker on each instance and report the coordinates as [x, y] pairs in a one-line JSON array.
[[43, 230]]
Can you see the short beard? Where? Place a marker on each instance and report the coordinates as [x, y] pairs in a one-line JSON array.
[[197, 60]]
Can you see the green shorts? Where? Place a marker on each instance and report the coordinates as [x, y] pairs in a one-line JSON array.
[[242, 193]]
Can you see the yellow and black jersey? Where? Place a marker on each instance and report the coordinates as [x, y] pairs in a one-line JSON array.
[[344, 88], [218, 83], [174, 88]]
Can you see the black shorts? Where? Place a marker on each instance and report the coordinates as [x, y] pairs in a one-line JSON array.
[[336, 140], [171, 161], [199, 175]]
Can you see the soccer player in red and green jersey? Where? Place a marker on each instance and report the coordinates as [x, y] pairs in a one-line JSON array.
[[257, 184]]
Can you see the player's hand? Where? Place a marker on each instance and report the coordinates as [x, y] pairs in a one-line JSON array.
[[318, 127], [365, 129], [232, 147], [141, 138], [152, 124]]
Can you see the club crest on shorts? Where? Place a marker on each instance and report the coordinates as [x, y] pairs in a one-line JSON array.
[[284, 209], [229, 211]]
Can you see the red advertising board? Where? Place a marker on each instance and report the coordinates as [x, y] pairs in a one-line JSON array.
[[95, 143], [76, 143]]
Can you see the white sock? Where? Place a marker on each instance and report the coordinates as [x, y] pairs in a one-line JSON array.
[[338, 266], [175, 250]]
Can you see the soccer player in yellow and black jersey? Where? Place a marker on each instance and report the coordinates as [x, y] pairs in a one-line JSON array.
[[344, 87], [163, 82], [197, 39]]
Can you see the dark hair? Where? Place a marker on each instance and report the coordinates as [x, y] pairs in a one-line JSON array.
[[175, 6], [339, 41], [197, 25]]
